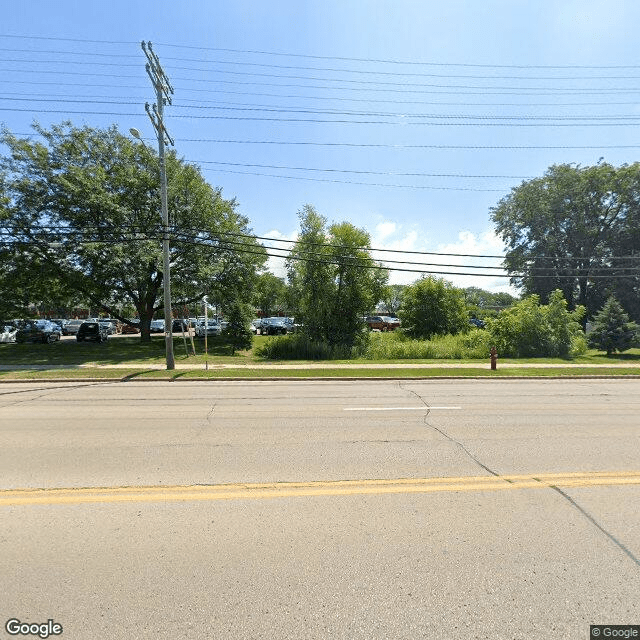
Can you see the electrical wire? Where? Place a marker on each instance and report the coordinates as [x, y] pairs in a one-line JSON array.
[[318, 57], [158, 229], [209, 61], [367, 266], [384, 86], [385, 146], [282, 109]]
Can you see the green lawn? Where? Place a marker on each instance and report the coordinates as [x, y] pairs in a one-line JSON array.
[[130, 351], [118, 351], [255, 373]]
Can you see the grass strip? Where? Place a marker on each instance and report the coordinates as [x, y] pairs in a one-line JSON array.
[[142, 374]]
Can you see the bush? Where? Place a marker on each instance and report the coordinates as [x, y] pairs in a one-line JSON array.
[[431, 307], [529, 329], [298, 346]]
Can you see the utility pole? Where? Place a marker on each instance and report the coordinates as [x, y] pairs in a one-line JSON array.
[[164, 90]]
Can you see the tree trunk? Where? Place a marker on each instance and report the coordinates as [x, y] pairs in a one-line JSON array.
[[145, 313]]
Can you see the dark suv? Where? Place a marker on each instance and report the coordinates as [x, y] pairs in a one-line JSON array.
[[92, 331]]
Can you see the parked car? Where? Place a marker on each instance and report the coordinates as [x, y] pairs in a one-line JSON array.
[[59, 321], [376, 323], [392, 323], [92, 331], [157, 326], [107, 325], [38, 331], [134, 327], [179, 326], [275, 326], [476, 322], [213, 329], [8, 333], [71, 327], [255, 325]]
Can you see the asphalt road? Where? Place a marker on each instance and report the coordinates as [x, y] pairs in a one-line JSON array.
[[333, 509]]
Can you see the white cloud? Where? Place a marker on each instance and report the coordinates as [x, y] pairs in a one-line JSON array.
[[468, 244], [277, 265], [385, 229]]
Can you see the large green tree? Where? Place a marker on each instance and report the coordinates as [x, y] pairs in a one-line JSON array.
[[84, 204], [334, 279], [573, 229]]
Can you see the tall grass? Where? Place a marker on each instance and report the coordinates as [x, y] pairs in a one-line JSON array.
[[397, 346], [299, 347], [381, 346]]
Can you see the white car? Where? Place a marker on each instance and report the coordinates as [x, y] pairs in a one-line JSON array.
[[213, 329], [8, 334]]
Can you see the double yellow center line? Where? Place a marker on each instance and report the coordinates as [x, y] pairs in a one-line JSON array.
[[254, 491]]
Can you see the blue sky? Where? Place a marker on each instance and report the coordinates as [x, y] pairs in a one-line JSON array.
[[304, 89]]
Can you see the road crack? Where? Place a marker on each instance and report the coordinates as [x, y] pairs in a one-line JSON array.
[[557, 489], [597, 525], [446, 435]]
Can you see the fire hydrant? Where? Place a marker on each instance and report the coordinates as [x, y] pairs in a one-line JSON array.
[[494, 358]]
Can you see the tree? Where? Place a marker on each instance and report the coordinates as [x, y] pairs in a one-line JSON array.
[[238, 331], [333, 278], [572, 230], [84, 205], [528, 329], [392, 297], [612, 330], [269, 294], [432, 306], [484, 299]]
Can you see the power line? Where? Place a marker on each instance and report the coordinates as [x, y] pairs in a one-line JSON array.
[[194, 231], [368, 184], [209, 61], [318, 57], [283, 109], [390, 146], [468, 89], [336, 262], [277, 95], [341, 99], [405, 146], [323, 121], [376, 173]]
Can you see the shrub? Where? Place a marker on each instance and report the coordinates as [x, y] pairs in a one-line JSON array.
[[529, 329], [431, 307], [612, 330]]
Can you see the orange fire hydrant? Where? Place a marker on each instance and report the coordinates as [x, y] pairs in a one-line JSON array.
[[494, 358]]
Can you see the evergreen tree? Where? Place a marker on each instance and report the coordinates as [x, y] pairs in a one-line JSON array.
[[238, 331], [612, 330]]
